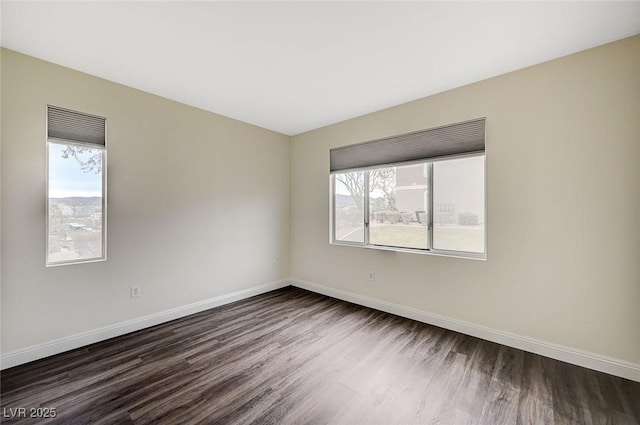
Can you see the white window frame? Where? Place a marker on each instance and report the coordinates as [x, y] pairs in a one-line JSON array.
[[103, 257], [430, 184]]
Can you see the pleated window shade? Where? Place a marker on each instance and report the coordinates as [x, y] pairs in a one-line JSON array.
[[454, 139], [77, 127]]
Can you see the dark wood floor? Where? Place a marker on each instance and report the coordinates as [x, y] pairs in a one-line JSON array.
[[295, 357]]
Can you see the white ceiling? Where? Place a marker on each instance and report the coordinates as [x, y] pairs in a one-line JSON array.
[[296, 66]]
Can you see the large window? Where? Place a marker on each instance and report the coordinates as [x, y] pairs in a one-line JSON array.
[[76, 159], [434, 204]]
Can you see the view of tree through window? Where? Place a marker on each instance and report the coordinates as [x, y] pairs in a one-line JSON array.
[[398, 206], [75, 216], [349, 207], [400, 213]]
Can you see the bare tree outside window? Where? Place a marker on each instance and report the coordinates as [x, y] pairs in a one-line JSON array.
[[90, 160], [397, 200], [348, 203]]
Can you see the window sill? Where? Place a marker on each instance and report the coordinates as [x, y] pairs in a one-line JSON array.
[[72, 262], [438, 253]]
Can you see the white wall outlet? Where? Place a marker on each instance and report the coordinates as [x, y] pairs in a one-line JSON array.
[[372, 275], [275, 264], [135, 291]]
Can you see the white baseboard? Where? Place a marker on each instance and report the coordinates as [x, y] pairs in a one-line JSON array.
[[566, 354], [57, 346], [570, 355]]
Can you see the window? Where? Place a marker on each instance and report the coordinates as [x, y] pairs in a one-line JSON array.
[[398, 200], [432, 204], [76, 165], [349, 207], [458, 194]]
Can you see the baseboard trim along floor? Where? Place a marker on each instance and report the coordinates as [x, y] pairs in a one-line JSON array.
[[61, 345], [566, 354], [558, 352]]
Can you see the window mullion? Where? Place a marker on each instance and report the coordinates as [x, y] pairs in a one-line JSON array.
[[431, 207], [366, 207], [332, 236]]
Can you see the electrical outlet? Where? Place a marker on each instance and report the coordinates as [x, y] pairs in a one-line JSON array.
[[372, 275], [135, 291], [275, 264]]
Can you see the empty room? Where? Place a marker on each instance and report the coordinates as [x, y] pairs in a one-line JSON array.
[[320, 212]]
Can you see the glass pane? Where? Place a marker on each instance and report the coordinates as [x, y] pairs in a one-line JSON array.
[[348, 204], [75, 203], [458, 198], [398, 205]]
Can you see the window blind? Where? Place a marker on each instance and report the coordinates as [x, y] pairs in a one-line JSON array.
[[453, 139], [72, 126]]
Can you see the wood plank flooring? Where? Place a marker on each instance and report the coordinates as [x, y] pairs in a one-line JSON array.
[[295, 357]]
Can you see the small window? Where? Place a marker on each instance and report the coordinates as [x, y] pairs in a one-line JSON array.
[[432, 200], [76, 176]]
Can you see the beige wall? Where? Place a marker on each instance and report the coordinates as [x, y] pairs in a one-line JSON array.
[[198, 206], [563, 197]]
